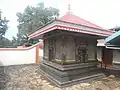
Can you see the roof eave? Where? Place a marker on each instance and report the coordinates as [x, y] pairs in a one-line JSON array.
[[33, 34], [113, 36], [42, 27], [84, 25]]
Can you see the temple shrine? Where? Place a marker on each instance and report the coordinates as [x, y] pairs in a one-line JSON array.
[[70, 49]]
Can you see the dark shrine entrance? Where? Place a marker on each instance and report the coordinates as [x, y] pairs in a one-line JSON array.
[[107, 57], [82, 55]]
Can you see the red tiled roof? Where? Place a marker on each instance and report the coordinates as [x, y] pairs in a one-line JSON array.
[[68, 17]]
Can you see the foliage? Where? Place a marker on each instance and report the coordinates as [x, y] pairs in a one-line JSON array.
[[3, 29], [6, 43], [3, 25], [32, 19], [23, 40]]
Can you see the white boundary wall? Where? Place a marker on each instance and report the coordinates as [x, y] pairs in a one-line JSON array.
[[15, 57]]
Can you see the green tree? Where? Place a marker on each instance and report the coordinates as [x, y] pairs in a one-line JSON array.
[[14, 42], [20, 40], [32, 19], [6, 43], [3, 29]]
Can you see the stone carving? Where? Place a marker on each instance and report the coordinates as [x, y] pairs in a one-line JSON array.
[[81, 50], [51, 49]]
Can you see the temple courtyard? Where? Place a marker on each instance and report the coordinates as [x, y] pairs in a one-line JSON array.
[[28, 77]]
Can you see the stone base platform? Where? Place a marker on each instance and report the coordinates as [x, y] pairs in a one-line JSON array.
[[65, 75]]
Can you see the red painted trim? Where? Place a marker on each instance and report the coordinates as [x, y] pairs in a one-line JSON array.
[[82, 30], [57, 27], [43, 31], [70, 23], [32, 34], [43, 26], [86, 26]]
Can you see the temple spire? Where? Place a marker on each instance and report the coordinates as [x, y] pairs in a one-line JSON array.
[[69, 8]]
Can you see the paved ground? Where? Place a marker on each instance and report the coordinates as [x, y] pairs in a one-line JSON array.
[[27, 77]]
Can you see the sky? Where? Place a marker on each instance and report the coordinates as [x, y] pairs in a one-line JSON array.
[[105, 13]]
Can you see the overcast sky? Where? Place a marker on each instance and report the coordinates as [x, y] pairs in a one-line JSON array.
[[105, 13]]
